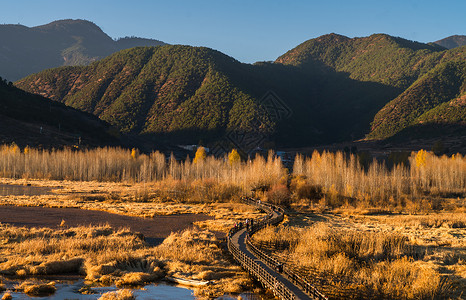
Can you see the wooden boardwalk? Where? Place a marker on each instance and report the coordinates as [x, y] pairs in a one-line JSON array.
[[263, 267]]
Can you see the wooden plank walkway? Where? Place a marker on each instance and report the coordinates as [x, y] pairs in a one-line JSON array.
[[239, 240], [286, 284]]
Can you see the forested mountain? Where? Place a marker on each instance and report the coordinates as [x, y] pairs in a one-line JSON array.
[[332, 88], [190, 93], [452, 41], [378, 58], [33, 120], [436, 98], [426, 76], [27, 50]]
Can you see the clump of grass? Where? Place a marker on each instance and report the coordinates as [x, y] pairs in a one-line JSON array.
[[124, 294], [7, 296], [37, 289], [91, 251], [196, 254]]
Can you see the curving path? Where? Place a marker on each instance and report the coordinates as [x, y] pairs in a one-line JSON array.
[[262, 267]]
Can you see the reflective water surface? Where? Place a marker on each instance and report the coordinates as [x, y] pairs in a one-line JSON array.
[[20, 190]]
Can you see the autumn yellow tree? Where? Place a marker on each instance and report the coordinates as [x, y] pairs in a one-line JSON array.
[[234, 157], [200, 155], [134, 153], [421, 158]]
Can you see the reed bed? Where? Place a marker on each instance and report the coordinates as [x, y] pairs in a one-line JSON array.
[[122, 165], [107, 256], [340, 179], [334, 179], [355, 264]]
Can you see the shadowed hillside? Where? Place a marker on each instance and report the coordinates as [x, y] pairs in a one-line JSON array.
[[436, 98], [191, 93], [33, 120]]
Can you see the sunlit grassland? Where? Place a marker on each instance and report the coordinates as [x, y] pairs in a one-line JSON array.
[[403, 257], [117, 256], [333, 179], [346, 246]]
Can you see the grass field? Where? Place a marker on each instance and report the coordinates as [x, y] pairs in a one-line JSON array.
[[374, 256], [355, 228]]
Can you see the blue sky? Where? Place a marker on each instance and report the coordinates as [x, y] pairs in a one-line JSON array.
[[253, 30]]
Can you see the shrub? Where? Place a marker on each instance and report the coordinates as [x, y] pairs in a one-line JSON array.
[[279, 195]]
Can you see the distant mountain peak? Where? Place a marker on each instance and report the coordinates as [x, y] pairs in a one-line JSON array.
[[69, 24], [27, 50], [334, 37], [452, 41]]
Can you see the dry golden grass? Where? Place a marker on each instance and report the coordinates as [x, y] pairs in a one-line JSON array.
[[37, 289], [374, 256], [124, 294], [197, 255], [7, 296], [107, 256], [78, 250], [358, 253]]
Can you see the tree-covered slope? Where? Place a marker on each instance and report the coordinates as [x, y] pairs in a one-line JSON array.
[[332, 88], [33, 120], [198, 93], [378, 58], [436, 97], [28, 50], [425, 75], [155, 90]]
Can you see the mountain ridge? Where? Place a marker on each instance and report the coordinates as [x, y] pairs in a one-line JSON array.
[[452, 41], [32, 120], [27, 50], [337, 88]]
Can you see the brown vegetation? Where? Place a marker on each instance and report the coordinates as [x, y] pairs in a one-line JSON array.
[[385, 256], [37, 290], [124, 294], [338, 180], [357, 252], [108, 256], [334, 179], [116, 164], [353, 264], [7, 296]]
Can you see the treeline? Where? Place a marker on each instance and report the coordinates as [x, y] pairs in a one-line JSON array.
[[341, 179], [123, 165], [334, 179]]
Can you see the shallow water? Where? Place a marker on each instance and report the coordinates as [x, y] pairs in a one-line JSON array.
[[155, 230], [69, 290], [21, 190], [153, 291]]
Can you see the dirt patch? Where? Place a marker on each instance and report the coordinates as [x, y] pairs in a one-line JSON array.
[[154, 229]]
